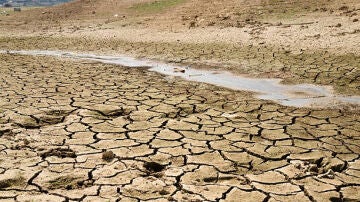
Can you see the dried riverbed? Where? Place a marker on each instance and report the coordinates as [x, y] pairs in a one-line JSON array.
[[341, 71], [89, 131], [301, 95]]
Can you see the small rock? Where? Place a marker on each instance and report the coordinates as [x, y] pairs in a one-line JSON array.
[[153, 166], [108, 156], [192, 24], [163, 192], [297, 165]]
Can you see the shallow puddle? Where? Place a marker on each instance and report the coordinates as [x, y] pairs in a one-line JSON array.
[[301, 95]]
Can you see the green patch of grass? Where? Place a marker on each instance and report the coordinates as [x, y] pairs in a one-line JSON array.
[[156, 6]]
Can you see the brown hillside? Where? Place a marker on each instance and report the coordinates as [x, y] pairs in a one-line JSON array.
[[184, 13]]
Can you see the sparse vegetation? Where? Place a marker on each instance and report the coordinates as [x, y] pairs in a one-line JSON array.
[[156, 6]]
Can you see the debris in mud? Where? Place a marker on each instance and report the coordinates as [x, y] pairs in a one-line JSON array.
[[65, 182], [164, 192], [334, 164], [179, 70], [312, 168], [224, 16], [50, 119], [192, 24], [108, 156], [322, 167], [344, 8], [27, 122], [329, 175], [58, 112], [110, 111], [115, 113], [59, 152], [337, 25], [210, 179], [11, 182], [153, 166]]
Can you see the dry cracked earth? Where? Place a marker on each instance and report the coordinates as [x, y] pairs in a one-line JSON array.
[[341, 71], [84, 131]]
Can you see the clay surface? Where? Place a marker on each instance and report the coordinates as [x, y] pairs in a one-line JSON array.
[[81, 130]]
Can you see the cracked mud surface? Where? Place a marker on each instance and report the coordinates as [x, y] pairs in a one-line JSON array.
[[87, 131], [340, 71]]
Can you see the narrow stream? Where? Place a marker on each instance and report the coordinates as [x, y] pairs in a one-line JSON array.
[[301, 95]]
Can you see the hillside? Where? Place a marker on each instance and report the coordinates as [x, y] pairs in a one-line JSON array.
[[224, 13]]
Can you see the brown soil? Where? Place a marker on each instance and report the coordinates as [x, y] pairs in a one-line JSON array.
[[297, 41], [83, 131]]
